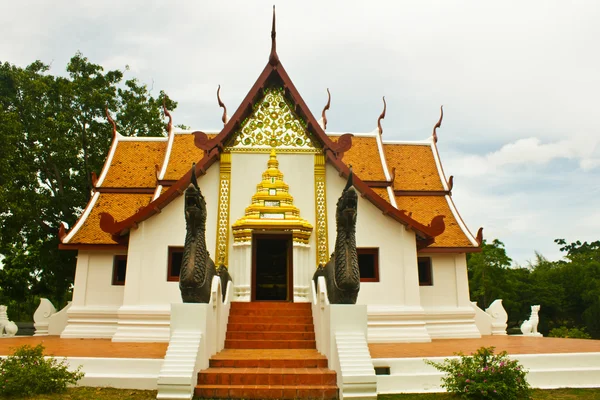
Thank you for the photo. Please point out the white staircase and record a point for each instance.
(174, 377)
(358, 374)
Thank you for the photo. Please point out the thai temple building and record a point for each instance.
(271, 178)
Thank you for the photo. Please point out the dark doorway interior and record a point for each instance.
(272, 268)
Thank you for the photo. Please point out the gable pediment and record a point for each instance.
(273, 124)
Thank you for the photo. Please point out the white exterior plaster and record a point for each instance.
(546, 371)
(147, 262)
(448, 311)
(398, 275)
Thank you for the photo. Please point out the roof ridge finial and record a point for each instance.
(273, 57)
(167, 114)
(221, 104)
(114, 125)
(382, 116)
(325, 109)
(439, 124)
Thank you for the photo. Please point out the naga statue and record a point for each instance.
(197, 268)
(341, 272)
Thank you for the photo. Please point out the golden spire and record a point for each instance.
(272, 207)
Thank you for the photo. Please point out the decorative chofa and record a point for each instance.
(341, 272)
(197, 268)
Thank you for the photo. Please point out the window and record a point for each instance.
(425, 271)
(175, 259)
(119, 270)
(368, 264)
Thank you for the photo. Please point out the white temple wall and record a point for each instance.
(93, 280)
(450, 282)
(147, 262)
(443, 291)
(448, 313)
(96, 301)
(398, 275)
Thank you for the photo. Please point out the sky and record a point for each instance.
(519, 81)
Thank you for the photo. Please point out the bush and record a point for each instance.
(26, 372)
(574, 333)
(484, 375)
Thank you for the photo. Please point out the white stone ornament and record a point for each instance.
(529, 327)
(7, 328)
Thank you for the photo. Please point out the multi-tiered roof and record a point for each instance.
(405, 180)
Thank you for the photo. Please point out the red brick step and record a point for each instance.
(270, 353)
(266, 392)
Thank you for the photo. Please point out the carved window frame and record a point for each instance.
(171, 251)
(115, 272)
(372, 251)
(425, 271)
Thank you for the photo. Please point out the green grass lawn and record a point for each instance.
(86, 393)
(559, 394)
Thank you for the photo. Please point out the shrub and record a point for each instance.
(484, 375)
(26, 372)
(574, 333)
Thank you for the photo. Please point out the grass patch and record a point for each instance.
(537, 394)
(92, 393)
(95, 393)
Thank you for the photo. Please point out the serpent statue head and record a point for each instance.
(195, 205)
(347, 206)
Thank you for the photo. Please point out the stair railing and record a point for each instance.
(197, 333)
(341, 336)
(320, 312)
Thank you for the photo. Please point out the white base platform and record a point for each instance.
(546, 371)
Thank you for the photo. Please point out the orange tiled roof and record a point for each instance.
(382, 192)
(183, 153)
(364, 158)
(424, 208)
(415, 166)
(120, 205)
(134, 164)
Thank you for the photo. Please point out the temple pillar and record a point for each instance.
(240, 270)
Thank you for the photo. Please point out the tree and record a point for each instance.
(55, 134)
(485, 271)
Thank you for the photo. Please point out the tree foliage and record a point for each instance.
(55, 134)
(568, 290)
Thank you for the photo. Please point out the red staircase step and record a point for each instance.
(271, 358)
(269, 319)
(267, 376)
(270, 353)
(266, 392)
(270, 304)
(272, 344)
(269, 327)
(270, 312)
(269, 335)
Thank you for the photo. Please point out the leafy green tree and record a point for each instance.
(485, 272)
(55, 134)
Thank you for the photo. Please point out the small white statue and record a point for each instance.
(7, 328)
(529, 327)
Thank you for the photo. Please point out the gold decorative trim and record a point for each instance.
(223, 210)
(266, 150)
(321, 210)
(273, 124)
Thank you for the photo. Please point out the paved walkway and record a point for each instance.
(56, 346)
(512, 344)
(441, 347)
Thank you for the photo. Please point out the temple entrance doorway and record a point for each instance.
(272, 269)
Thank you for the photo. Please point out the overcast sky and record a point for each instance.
(519, 81)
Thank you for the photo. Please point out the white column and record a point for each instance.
(241, 270)
(302, 272)
(81, 278)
